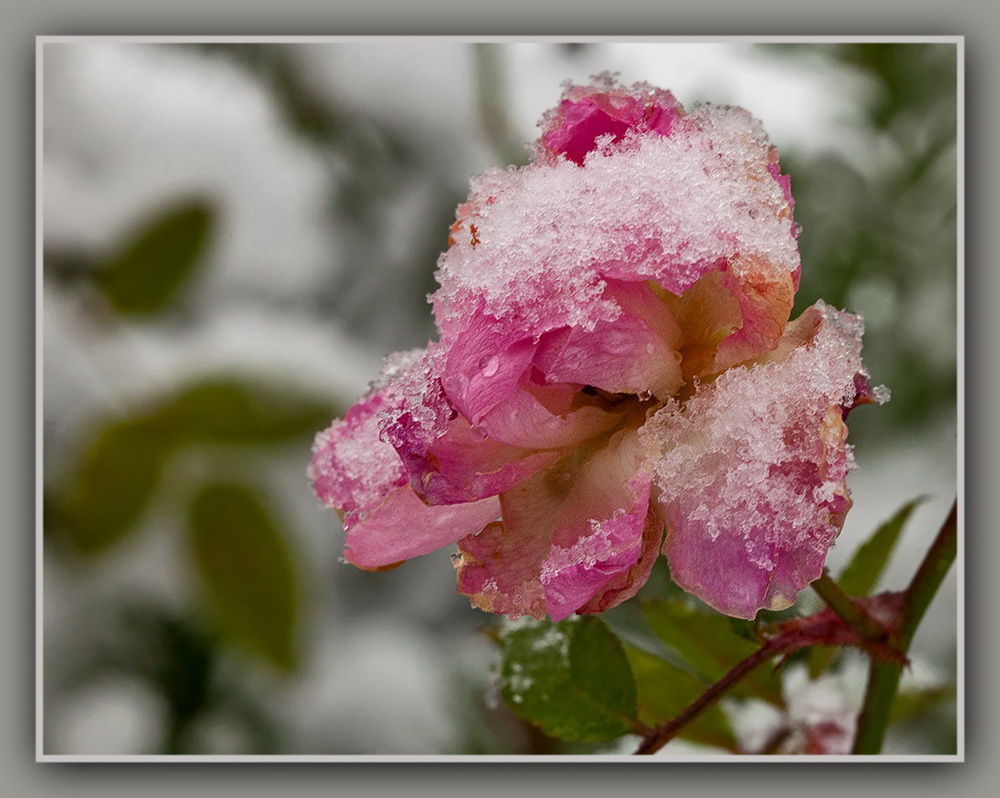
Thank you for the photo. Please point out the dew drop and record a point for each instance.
(489, 365)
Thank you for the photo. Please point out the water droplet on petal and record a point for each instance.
(489, 365)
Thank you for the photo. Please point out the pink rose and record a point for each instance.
(615, 376)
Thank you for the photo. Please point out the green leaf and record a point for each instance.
(112, 484)
(912, 706)
(234, 410)
(664, 691)
(862, 573)
(246, 570)
(151, 268)
(710, 645)
(571, 679)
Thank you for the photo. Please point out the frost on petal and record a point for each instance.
(446, 459)
(569, 534)
(352, 469)
(588, 114)
(361, 477)
(607, 566)
(668, 209)
(751, 471)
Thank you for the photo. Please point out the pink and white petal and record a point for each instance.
(446, 459)
(362, 478)
(568, 533)
(588, 113)
(626, 583)
(750, 472)
(401, 526)
(464, 465)
(664, 208)
(575, 576)
(626, 355)
(499, 573)
(351, 467)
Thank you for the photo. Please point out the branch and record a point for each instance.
(847, 608)
(662, 735)
(883, 677)
(825, 628)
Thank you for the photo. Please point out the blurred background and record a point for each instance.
(236, 234)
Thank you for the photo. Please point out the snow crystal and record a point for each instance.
(352, 468)
(666, 208)
(761, 448)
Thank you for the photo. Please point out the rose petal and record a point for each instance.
(636, 353)
(568, 533)
(402, 526)
(351, 467)
(464, 465)
(361, 477)
(751, 471)
(664, 208)
(573, 576)
(588, 113)
(765, 305)
(484, 366)
(627, 582)
(549, 416)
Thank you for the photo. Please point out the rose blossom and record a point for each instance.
(615, 376)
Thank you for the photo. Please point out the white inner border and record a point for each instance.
(41, 756)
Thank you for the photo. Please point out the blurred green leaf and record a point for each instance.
(246, 570)
(861, 574)
(664, 691)
(571, 679)
(113, 483)
(708, 642)
(242, 411)
(913, 706)
(152, 266)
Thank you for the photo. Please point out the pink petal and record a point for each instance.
(402, 526)
(484, 366)
(751, 471)
(351, 467)
(464, 465)
(573, 576)
(588, 113)
(361, 477)
(489, 378)
(665, 208)
(625, 583)
(549, 417)
(636, 353)
(568, 535)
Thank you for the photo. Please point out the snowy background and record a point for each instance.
(332, 171)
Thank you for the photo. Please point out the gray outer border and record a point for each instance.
(849, 17)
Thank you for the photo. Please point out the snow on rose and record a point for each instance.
(615, 377)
